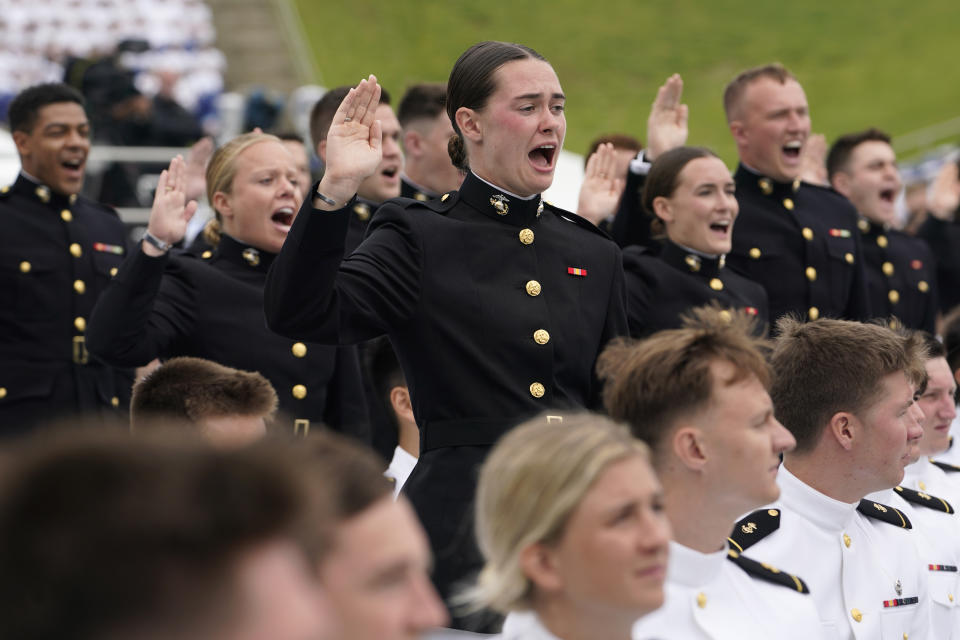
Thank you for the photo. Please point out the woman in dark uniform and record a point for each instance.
(496, 302)
(211, 305)
(691, 192)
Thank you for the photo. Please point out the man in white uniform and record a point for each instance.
(698, 396)
(845, 390)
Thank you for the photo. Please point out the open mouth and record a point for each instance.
(282, 218)
(721, 226)
(542, 156)
(888, 195)
(390, 172)
(73, 165)
(792, 149)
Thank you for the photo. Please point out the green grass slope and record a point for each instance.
(885, 63)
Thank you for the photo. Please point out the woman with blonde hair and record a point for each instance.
(569, 518)
(164, 303)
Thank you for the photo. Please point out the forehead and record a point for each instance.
(895, 391)
(69, 113)
(708, 169)
(871, 151)
(262, 155)
(387, 117)
(938, 370)
(296, 149)
(768, 94)
(627, 478)
(386, 532)
(527, 76)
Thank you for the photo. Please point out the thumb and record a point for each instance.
(189, 210)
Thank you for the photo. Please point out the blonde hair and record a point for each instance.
(531, 483)
(220, 173)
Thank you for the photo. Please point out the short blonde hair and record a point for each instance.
(531, 483)
(221, 171)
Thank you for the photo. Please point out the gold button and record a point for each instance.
(25, 267)
(701, 600)
(773, 512)
(922, 485)
(66, 216)
(540, 336)
(923, 286)
(80, 323)
(533, 288)
(811, 274)
(526, 236)
(79, 286)
(807, 233)
(716, 284)
(299, 349)
(115, 401)
(905, 636)
(846, 541)
(813, 313)
(3, 393)
(882, 242)
(894, 296)
(863, 225)
(848, 257)
(788, 203)
(299, 392)
(755, 253)
(75, 250)
(206, 255)
(113, 271)
(887, 268)
(855, 613)
(537, 390)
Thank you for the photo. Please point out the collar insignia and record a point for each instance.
(43, 193)
(252, 256)
(499, 203)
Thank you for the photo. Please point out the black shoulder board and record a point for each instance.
(440, 205)
(569, 216)
(884, 513)
(764, 571)
(924, 499)
(946, 466)
(754, 528)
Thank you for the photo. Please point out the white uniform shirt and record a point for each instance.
(524, 625)
(952, 455)
(925, 476)
(938, 539)
(864, 575)
(400, 468)
(708, 597)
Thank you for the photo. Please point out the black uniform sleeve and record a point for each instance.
(144, 310)
(615, 326)
(943, 238)
(313, 293)
(637, 292)
(631, 225)
(346, 409)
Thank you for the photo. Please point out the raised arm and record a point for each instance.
(602, 187)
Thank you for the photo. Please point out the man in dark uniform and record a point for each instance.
(428, 172)
(941, 231)
(58, 250)
(385, 182)
(901, 280)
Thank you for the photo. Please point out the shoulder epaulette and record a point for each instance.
(946, 466)
(580, 221)
(924, 499)
(753, 528)
(764, 571)
(439, 205)
(884, 513)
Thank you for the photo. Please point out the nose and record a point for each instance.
(949, 409)
(77, 139)
(391, 147)
(654, 532)
(427, 610)
(551, 120)
(783, 440)
(915, 422)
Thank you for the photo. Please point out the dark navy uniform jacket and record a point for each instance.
(211, 306)
(497, 308)
(800, 242)
(661, 288)
(410, 190)
(57, 254)
(901, 276)
(943, 238)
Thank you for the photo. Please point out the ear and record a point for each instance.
(739, 132)
(469, 123)
(539, 564)
(688, 446)
(412, 142)
(663, 209)
(845, 429)
(221, 203)
(20, 138)
(322, 151)
(841, 182)
(400, 401)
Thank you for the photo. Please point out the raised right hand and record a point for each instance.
(667, 124)
(945, 192)
(170, 212)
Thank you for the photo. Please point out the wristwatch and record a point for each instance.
(151, 239)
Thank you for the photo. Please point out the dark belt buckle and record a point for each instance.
(301, 423)
(80, 353)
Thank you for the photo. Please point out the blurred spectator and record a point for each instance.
(298, 149)
(428, 171)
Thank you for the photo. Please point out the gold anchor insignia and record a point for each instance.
(796, 184)
(252, 256)
(73, 198)
(766, 185)
(540, 208)
(880, 507)
(898, 587)
(723, 261)
(750, 527)
(43, 193)
(499, 203)
(693, 262)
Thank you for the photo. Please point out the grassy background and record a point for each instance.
(885, 63)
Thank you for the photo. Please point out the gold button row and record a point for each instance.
(299, 350)
(299, 391)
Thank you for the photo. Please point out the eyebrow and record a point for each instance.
(534, 96)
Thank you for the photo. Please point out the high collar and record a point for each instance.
(822, 510)
(28, 187)
(690, 261)
(410, 189)
(750, 180)
(498, 205)
(243, 254)
(691, 568)
(525, 625)
(919, 471)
